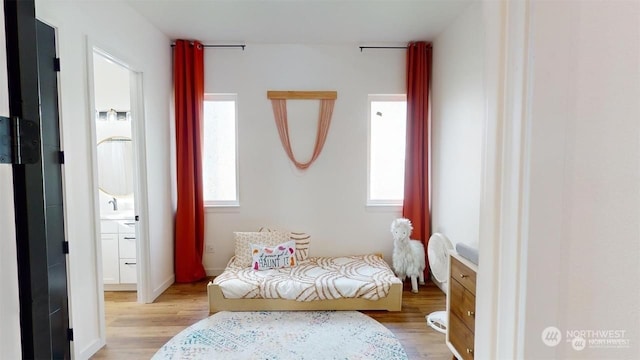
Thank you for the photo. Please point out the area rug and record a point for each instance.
(280, 335)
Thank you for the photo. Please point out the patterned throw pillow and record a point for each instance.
(302, 242)
(279, 256)
(245, 239)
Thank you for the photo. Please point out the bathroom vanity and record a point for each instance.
(116, 200)
(119, 253)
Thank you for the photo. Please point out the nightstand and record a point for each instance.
(461, 307)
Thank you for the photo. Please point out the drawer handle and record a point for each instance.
(128, 263)
(469, 351)
(129, 238)
(470, 313)
(462, 276)
(130, 224)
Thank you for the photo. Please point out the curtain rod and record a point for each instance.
(381, 47)
(221, 46)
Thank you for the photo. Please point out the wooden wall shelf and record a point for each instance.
(302, 95)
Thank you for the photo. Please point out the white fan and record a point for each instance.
(438, 254)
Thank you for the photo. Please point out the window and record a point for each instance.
(387, 138)
(219, 160)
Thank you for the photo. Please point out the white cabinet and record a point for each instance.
(128, 274)
(127, 246)
(110, 265)
(118, 251)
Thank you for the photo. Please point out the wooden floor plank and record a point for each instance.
(137, 331)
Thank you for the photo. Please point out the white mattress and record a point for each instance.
(318, 278)
(468, 252)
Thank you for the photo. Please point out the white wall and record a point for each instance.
(9, 301)
(328, 200)
(111, 85)
(120, 31)
(584, 229)
(457, 125)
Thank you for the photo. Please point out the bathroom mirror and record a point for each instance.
(115, 166)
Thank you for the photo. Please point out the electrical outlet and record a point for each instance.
(209, 248)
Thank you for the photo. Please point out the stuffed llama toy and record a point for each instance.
(408, 255)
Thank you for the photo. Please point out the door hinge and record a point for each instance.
(137, 218)
(56, 64)
(61, 156)
(70, 334)
(19, 141)
(65, 247)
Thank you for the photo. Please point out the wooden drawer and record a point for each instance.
(463, 304)
(465, 276)
(460, 337)
(461, 307)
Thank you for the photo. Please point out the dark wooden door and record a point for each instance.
(38, 197)
(52, 175)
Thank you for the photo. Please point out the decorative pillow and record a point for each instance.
(302, 242)
(279, 256)
(302, 245)
(245, 239)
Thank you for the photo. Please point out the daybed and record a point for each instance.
(362, 282)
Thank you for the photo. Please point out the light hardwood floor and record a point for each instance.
(137, 331)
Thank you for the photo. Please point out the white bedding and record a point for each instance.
(318, 278)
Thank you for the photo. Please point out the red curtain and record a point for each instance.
(188, 77)
(416, 173)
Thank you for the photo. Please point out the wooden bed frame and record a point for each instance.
(217, 302)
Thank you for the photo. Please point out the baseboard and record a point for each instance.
(91, 349)
(214, 271)
(120, 287)
(164, 286)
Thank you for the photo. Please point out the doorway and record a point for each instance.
(119, 170)
(114, 156)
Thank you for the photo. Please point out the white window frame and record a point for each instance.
(392, 204)
(212, 204)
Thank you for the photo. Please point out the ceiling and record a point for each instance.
(364, 22)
